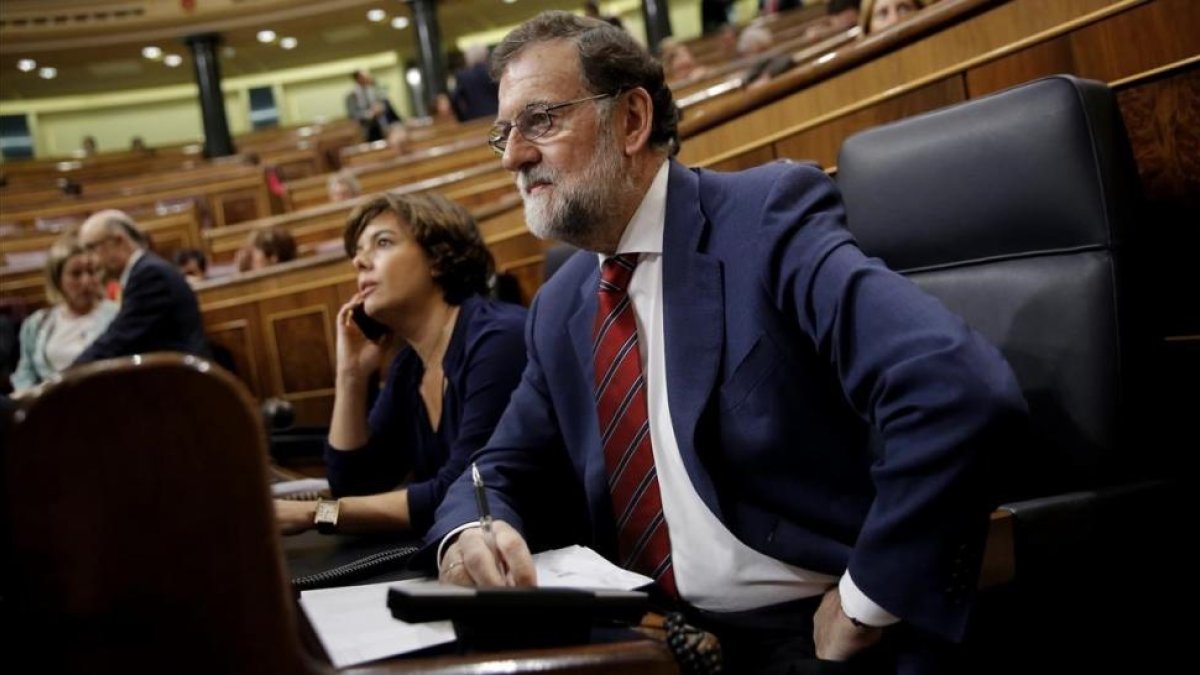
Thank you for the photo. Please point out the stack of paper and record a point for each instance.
(356, 626)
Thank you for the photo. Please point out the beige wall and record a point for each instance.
(325, 97)
(171, 115)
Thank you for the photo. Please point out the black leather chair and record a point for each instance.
(1021, 212)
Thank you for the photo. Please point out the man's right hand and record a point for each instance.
(470, 560)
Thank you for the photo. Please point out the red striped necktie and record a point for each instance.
(643, 543)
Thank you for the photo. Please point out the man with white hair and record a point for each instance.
(159, 312)
(475, 94)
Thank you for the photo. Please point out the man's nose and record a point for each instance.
(518, 152)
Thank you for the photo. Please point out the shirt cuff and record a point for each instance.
(858, 606)
(449, 538)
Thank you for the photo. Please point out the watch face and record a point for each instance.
(327, 512)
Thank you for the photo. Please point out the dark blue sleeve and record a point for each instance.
(382, 464)
(492, 368)
(941, 397)
(145, 302)
(527, 428)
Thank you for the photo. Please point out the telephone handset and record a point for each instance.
(372, 329)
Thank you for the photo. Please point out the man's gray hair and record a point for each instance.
(610, 60)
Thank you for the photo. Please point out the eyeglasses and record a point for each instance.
(535, 121)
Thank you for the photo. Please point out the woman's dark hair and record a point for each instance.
(275, 243)
(609, 58)
(447, 233)
(183, 255)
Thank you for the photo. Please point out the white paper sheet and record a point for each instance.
(306, 488)
(581, 567)
(356, 626)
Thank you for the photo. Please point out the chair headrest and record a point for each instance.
(986, 178)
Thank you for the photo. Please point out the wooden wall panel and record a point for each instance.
(1163, 118)
(992, 30)
(300, 340)
(237, 331)
(242, 206)
(1127, 44)
(1029, 64)
(746, 160)
(821, 143)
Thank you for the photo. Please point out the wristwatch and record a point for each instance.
(326, 517)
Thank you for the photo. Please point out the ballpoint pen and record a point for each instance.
(485, 519)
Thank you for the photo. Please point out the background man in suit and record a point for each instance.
(783, 433)
(158, 312)
(474, 89)
(370, 106)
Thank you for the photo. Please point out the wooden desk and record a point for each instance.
(312, 552)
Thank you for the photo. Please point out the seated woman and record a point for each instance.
(884, 14)
(53, 337)
(678, 62)
(422, 274)
(268, 246)
(343, 186)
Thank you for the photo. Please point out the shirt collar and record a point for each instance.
(644, 233)
(137, 255)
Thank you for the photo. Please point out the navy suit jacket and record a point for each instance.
(159, 313)
(475, 93)
(829, 412)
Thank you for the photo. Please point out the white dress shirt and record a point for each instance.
(714, 570)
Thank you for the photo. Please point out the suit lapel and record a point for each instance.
(693, 320)
(579, 326)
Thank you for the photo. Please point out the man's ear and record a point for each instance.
(636, 122)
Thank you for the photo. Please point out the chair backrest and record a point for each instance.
(138, 534)
(1015, 210)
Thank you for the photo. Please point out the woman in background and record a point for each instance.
(268, 246)
(53, 337)
(422, 278)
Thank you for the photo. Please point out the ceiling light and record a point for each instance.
(48, 73)
(509, 2)
(228, 51)
(265, 36)
(26, 65)
(400, 22)
(376, 15)
(172, 60)
(153, 53)
(288, 42)
(413, 76)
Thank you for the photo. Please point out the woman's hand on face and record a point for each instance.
(357, 356)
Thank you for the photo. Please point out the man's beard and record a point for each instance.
(577, 209)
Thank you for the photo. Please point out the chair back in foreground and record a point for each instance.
(138, 534)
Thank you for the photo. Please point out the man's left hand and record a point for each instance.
(835, 636)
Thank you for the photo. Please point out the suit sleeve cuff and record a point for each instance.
(858, 606)
(450, 537)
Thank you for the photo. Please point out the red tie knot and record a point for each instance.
(616, 272)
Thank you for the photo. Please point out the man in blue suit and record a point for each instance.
(787, 436)
(159, 312)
